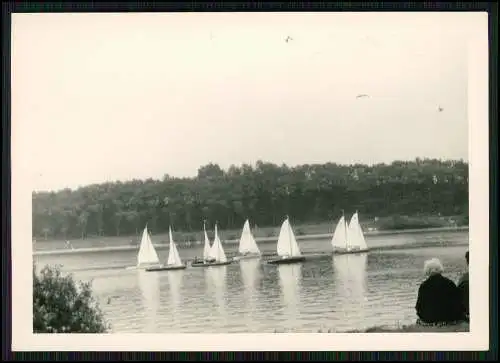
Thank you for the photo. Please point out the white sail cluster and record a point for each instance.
(349, 237)
(216, 252)
(148, 256)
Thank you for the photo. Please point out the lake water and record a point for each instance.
(340, 292)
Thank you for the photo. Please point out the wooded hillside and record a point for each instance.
(264, 193)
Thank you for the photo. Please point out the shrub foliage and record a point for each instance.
(63, 305)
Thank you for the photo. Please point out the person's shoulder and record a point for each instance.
(464, 278)
(446, 281)
(423, 285)
(431, 283)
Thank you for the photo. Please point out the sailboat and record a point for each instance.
(287, 246)
(147, 256)
(174, 261)
(206, 250)
(349, 238)
(216, 255)
(206, 246)
(248, 247)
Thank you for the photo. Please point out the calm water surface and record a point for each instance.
(341, 292)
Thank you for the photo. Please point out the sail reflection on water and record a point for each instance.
(250, 274)
(149, 284)
(174, 292)
(350, 284)
(216, 287)
(290, 276)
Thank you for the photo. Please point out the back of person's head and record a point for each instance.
(433, 267)
(467, 257)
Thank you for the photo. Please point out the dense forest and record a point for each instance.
(264, 193)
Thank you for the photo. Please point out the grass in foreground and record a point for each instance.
(412, 328)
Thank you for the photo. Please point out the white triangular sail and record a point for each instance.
(206, 247)
(339, 239)
(173, 255)
(355, 236)
(147, 252)
(217, 251)
(287, 245)
(247, 241)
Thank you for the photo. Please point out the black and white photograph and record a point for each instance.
(247, 176)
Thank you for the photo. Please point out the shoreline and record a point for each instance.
(463, 327)
(322, 236)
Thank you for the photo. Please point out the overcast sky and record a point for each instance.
(99, 97)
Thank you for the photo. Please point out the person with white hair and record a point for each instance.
(439, 300)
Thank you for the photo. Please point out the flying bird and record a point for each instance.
(440, 109)
(288, 38)
(361, 96)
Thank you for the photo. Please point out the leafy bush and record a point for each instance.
(63, 305)
(404, 222)
(462, 220)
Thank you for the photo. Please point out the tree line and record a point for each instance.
(263, 192)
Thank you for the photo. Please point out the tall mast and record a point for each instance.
(345, 229)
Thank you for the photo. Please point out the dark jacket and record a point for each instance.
(463, 286)
(439, 300)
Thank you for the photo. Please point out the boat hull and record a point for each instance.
(350, 252)
(143, 267)
(246, 257)
(318, 256)
(208, 264)
(287, 260)
(166, 268)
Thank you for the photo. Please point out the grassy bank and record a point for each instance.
(411, 328)
(388, 224)
(414, 328)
